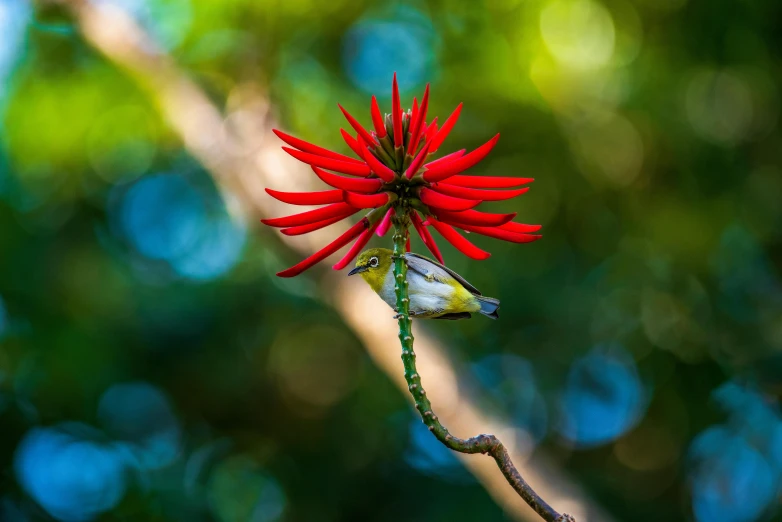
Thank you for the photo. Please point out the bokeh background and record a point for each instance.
(152, 367)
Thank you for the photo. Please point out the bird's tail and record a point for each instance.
(489, 306)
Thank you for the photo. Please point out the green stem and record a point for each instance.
(383, 155)
(387, 143)
(399, 159)
(478, 444)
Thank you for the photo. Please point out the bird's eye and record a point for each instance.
(373, 262)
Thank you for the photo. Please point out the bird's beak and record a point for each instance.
(358, 270)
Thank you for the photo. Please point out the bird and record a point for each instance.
(435, 291)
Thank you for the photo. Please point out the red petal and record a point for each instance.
(313, 149)
(356, 125)
(435, 199)
(360, 243)
(366, 186)
(473, 217)
(416, 163)
(376, 165)
(306, 229)
(307, 198)
(446, 170)
(483, 195)
(377, 119)
(520, 227)
(486, 181)
(505, 235)
(351, 141)
(446, 128)
(414, 111)
(385, 224)
(418, 121)
(329, 249)
(407, 245)
(311, 216)
(459, 241)
(431, 130)
(356, 169)
(396, 114)
(426, 237)
(365, 200)
(446, 159)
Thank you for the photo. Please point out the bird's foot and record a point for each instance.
(394, 257)
(399, 316)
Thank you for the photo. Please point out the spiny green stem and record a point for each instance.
(478, 444)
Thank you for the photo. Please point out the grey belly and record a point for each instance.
(426, 297)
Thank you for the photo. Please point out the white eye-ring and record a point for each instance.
(373, 262)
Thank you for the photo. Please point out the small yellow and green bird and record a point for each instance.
(435, 291)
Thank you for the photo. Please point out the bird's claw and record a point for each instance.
(394, 257)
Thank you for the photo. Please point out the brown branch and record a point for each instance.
(484, 444)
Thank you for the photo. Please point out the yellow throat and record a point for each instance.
(378, 263)
(376, 277)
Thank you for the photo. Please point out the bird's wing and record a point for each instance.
(429, 268)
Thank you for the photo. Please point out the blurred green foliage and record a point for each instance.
(153, 368)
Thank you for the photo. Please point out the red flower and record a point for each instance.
(393, 176)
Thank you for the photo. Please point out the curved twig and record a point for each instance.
(485, 444)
